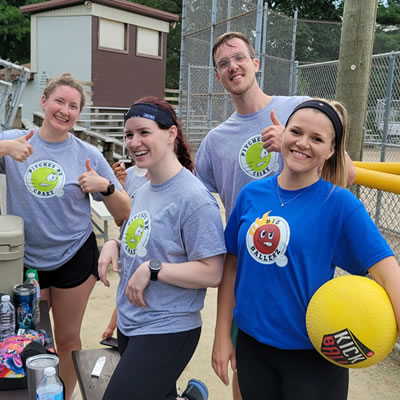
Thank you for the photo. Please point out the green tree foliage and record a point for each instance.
(320, 42)
(387, 35)
(390, 14)
(14, 32)
(329, 10)
(318, 29)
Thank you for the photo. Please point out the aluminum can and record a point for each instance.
(24, 302)
(35, 366)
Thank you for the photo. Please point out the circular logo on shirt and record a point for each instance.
(255, 161)
(267, 240)
(136, 234)
(45, 179)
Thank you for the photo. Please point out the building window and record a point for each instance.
(148, 43)
(113, 35)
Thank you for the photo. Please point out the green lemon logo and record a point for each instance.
(134, 233)
(257, 158)
(44, 179)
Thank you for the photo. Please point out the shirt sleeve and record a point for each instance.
(204, 167)
(203, 239)
(360, 244)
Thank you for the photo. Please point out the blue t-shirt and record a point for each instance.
(286, 253)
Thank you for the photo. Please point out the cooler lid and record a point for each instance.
(11, 230)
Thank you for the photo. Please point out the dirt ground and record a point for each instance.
(380, 382)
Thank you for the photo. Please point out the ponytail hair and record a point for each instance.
(181, 146)
(334, 169)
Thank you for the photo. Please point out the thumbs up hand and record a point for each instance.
(90, 181)
(20, 149)
(88, 166)
(272, 135)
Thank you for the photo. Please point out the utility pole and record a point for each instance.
(356, 46)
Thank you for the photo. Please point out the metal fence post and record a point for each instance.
(210, 64)
(386, 117)
(388, 100)
(187, 130)
(257, 46)
(181, 58)
(229, 15)
(264, 46)
(259, 20)
(293, 52)
(293, 87)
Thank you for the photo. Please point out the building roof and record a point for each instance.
(120, 4)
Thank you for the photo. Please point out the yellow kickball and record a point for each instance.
(350, 321)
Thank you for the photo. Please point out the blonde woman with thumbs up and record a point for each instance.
(53, 172)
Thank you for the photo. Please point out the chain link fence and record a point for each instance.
(204, 103)
(382, 125)
(384, 209)
(279, 41)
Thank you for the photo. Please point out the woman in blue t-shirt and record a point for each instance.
(284, 237)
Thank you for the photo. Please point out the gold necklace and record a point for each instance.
(283, 203)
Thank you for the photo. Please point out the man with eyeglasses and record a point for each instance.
(246, 146)
(243, 148)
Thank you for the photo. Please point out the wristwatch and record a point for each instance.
(154, 266)
(110, 189)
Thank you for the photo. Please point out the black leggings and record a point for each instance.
(150, 365)
(266, 373)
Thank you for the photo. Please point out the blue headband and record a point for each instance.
(150, 111)
(328, 110)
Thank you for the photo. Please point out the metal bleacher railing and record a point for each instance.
(13, 79)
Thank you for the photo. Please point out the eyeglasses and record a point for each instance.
(239, 58)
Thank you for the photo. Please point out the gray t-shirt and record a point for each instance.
(133, 181)
(176, 221)
(232, 154)
(44, 191)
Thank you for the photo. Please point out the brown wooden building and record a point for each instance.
(117, 45)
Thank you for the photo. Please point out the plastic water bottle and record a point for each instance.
(7, 318)
(50, 387)
(31, 277)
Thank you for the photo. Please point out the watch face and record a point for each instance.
(110, 190)
(155, 265)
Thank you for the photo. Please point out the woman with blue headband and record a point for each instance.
(284, 238)
(171, 250)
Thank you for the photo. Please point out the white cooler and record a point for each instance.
(11, 252)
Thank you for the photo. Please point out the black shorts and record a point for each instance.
(76, 270)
